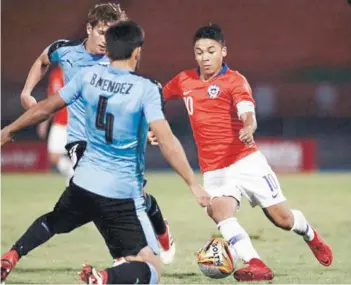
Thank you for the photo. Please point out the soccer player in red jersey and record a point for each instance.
(222, 115)
(57, 138)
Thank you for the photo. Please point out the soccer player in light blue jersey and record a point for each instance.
(72, 57)
(107, 187)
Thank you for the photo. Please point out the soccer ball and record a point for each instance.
(215, 260)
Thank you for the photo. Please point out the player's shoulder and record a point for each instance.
(63, 44)
(187, 73)
(97, 70)
(86, 73)
(146, 80)
(236, 77)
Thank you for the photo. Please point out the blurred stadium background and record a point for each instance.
(295, 54)
(297, 58)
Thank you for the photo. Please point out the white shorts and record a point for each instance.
(251, 176)
(57, 139)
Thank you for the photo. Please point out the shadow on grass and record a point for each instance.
(252, 236)
(37, 270)
(180, 275)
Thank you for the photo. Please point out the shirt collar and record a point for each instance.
(223, 70)
(84, 50)
(116, 70)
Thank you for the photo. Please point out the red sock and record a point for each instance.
(164, 240)
(14, 255)
(104, 276)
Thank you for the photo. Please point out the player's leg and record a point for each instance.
(67, 215)
(129, 235)
(294, 220)
(221, 211)
(140, 269)
(37, 234)
(225, 201)
(57, 154)
(161, 228)
(264, 188)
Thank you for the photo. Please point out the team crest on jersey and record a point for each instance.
(213, 91)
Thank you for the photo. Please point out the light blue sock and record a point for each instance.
(154, 274)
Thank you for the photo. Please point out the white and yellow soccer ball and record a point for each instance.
(216, 260)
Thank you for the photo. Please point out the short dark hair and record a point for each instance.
(105, 13)
(122, 39)
(210, 31)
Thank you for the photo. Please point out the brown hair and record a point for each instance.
(104, 13)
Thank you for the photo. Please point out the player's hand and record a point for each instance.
(246, 135)
(27, 100)
(202, 197)
(151, 138)
(6, 136)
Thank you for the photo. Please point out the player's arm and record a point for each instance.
(170, 91)
(44, 109)
(55, 84)
(36, 73)
(38, 70)
(172, 150)
(174, 153)
(170, 146)
(38, 113)
(249, 128)
(245, 106)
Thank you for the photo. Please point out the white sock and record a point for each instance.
(64, 166)
(238, 238)
(301, 226)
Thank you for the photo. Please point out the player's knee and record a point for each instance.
(215, 215)
(46, 221)
(218, 216)
(284, 220)
(149, 256)
(280, 215)
(209, 211)
(222, 208)
(57, 224)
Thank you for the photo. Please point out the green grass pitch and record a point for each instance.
(325, 199)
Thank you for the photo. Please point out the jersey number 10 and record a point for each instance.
(189, 104)
(101, 123)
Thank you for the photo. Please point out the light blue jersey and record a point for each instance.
(72, 57)
(118, 107)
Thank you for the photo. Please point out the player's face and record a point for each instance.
(96, 37)
(209, 56)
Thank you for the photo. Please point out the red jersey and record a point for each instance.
(212, 109)
(55, 84)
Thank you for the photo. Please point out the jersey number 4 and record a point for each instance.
(101, 123)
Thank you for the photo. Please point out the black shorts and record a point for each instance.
(123, 223)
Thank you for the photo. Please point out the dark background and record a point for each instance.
(295, 54)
